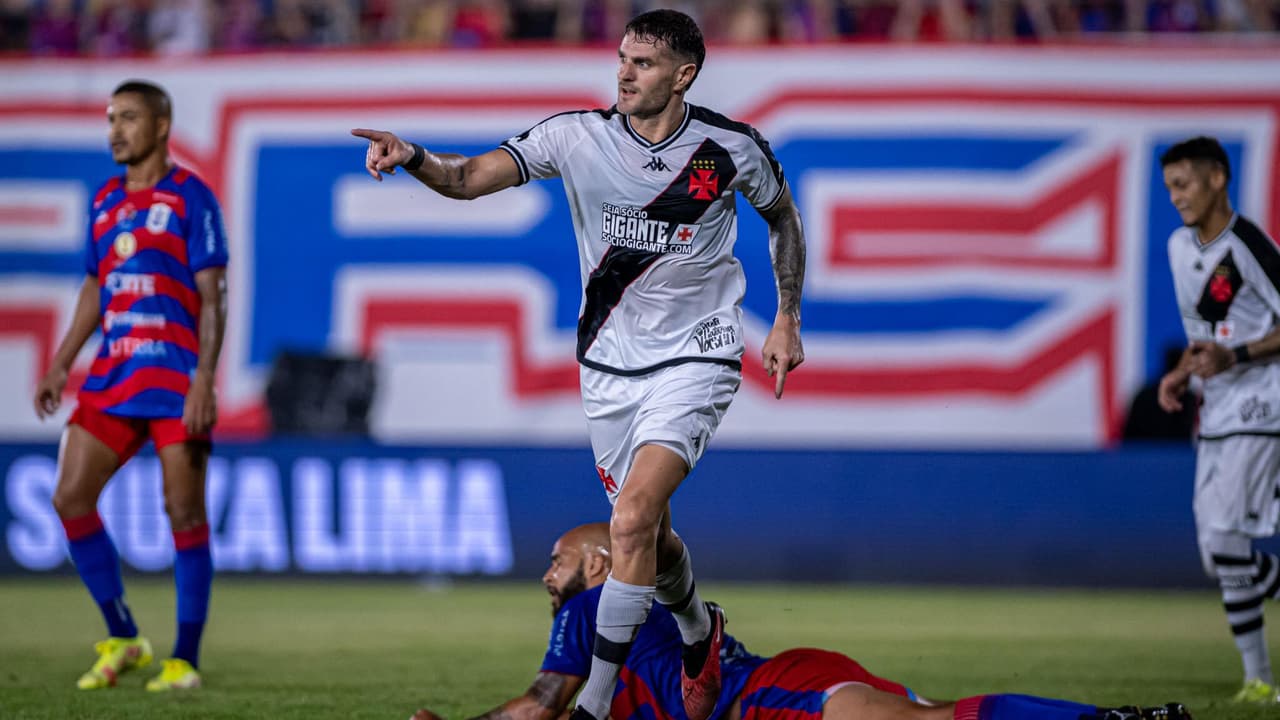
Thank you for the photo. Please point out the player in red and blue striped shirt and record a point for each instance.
(799, 684)
(155, 285)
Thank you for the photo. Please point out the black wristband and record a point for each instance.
(415, 162)
(1242, 353)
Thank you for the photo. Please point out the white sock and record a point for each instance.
(623, 609)
(678, 593)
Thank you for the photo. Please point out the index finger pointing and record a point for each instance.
(782, 380)
(366, 133)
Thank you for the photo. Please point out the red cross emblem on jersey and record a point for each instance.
(1220, 288)
(684, 234)
(610, 486)
(704, 184)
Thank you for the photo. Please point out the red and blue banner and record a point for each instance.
(986, 231)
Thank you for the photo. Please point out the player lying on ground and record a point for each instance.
(802, 683)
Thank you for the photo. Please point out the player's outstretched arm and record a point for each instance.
(450, 174)
(83, 322)
(200, 411)
(546, 699)
(782, 349)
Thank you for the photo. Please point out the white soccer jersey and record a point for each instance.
(656, 225)
(1229, 293)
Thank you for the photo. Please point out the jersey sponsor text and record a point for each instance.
(632, 228)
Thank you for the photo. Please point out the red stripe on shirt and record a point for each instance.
(166, 242)
(107, 188)
(105, 220)
(144, 378)
(969, 708)
(164, 285)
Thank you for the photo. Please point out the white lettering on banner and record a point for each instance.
(315, 548)
(396, 516)
(482, 518)
(373, 515)
(147, 541)
(414, 533)
(355, 492)
(254, 536)
(34, 535)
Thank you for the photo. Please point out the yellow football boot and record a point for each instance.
(1258, 693)
(115, 657)
(176, 675)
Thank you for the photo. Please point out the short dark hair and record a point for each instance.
(1202, 149)
(673, 29)
(153, 95)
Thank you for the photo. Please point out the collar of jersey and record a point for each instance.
(1231, 226)
(124, 183)
(658, 146)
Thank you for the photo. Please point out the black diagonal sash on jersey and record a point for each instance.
(709, 171)
(1220, 290)
(1261, 247)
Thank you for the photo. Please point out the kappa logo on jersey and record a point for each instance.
(656, 165)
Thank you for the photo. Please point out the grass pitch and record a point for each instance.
(314, 649)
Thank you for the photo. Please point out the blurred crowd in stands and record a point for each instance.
(98, 28)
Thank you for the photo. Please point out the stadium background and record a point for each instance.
(986, 292)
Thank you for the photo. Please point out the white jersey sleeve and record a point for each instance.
(760, 178)
(761, 181)
(540, 150)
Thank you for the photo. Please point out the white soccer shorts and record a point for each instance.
(678, 407)
(1236, 485)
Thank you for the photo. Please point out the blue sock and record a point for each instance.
(1021, 707)
(193, 576)
(96, 560)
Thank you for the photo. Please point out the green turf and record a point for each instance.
(311, 649)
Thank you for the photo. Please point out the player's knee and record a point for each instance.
(184, 511)
(68, 503)
(633, 527)
(1215, 545)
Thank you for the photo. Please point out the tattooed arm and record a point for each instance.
(782, 349)
(452, 175)
(546, 699)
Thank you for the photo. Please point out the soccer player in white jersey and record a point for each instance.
(651, 184)
(1226, 276)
